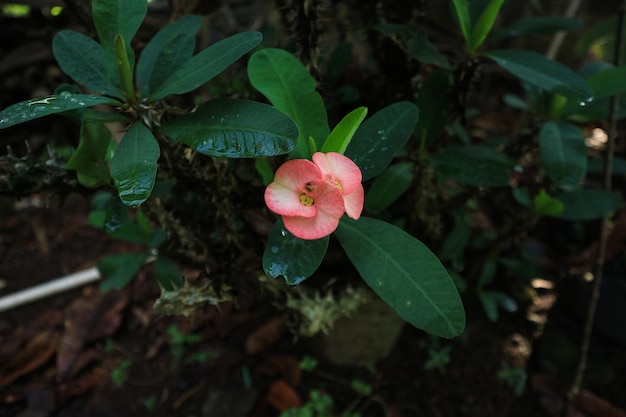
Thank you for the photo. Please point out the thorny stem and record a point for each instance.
(599, 266)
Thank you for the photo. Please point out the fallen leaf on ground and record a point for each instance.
(35, 354)
(265, 336)
(282, 396)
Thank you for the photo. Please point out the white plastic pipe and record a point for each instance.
(47, 289)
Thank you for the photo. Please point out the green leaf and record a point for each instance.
(170, 48)
(611, 81)
(474, 165)
(44, 106)
(287, 84)
(588, 204)
(167, 274)
(405, 274)
(483, 25)
(83, 60)
(342, 134)
(389, 186)
(292, 258)
(538, 25)
(90, 158)
(117, 17)
(134, 165)
(463, 18)
(414, 43)
(455, 243)
(205, 65)
(545, 204)
(542, 72)
(123, 69)
(377, 140)
(118, 270)
(563, 153)
(234, 128)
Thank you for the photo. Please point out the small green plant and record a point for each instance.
(438, 356)
(118, 375)
(320, 404)
(513, 377)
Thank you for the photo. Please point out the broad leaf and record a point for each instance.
(342, 134)
(90, 158)
(433, 100)
(134, 165)
(378, 139)
(389, 186)
(563, 153)
(170, 48)
(84, 61)
(235, 129)
(287, 84)
(474, 165)
(118, 270)
(484, 23)
(588, 204)
(292, 258)
(538, 25)
(611, 81)
(405, 274)
(542, 72)
(117, 17)
(205, 65)
(44, 106)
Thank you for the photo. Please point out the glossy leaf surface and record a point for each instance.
(341, 135)
(405, 274)
(89, 159)
(484, 23)
(287, 84)
(205, 65)
(563, 153)
(234, 129)
(542, 72)
(134, 165)
(290, 257)
(44, 106)
(474, 165)
(380, 136)
(170, 48)
(84, 61)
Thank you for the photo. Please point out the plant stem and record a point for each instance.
(599, 266)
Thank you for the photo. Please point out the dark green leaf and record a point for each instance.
(433, 100)
(44, 106)
(235, 129)
(474, 165)
(463, 19)
(170, 48)
(609, 82)
(117, 17)
(455, 243)
(414, 43)
(118, 270)
(167, 274)
(588, 204)
(378, 139)
(405, 274)
(205, 65)
(540, 71)
(292, 258)
(389, 186)
(287, 84)
(537, 25)
(134, 165)
(83, 60)
(91, 156)
(563, 153)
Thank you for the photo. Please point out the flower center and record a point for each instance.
(306, 200)
(338, 185)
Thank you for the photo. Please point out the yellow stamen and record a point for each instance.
(306, 200)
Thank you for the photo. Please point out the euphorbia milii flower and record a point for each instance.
(346, 176)
(310, 206)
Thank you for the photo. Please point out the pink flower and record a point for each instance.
(346, 176)
(312, 196)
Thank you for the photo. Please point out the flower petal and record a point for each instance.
(313, 227)
(340, 168)
(286, 202)
(330, 201)
(294, 174)
(353, 202)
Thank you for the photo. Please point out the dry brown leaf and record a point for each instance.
(282, 396)
(265, 336)
(35, 354)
